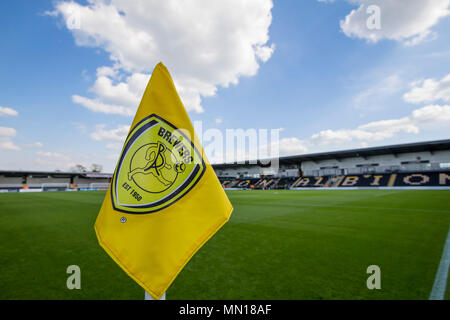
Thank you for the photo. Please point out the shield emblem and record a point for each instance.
(159, 165)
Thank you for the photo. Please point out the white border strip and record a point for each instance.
(440, 282)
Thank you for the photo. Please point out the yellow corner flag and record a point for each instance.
(164, 201)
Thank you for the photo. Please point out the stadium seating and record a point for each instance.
(33, 181)
(373, 180)
(404, 179)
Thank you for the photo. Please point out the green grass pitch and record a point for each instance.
(277, 245)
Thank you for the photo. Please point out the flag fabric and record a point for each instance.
(164, 200)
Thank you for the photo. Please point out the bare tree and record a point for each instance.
(96, 167)
(78, 168)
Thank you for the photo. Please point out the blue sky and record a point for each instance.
(329, 82)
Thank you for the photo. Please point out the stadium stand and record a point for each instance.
(412, 179)
(254, 183)
(55, 186)
(33, 181)
(419, 165)
(425, 164)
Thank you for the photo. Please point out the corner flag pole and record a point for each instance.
(149, 297)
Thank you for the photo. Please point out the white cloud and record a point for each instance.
(429, 90)
(52, 155)
(4, 112)
(438, 54)
(85, 75)
(383, 129)
(218, 120)
(264, 52)
(291, 146)
(409, 23)
(5, 139)
(47, 160)
(205, 44)
(282, 147)
(113, 156)
(380, 130)
(113, 137)
(81, 127)
(97, 106)
(107, 72)
(431, 113)
(8, 145)
(7, 132)
(363, 145)
(114, 145)
(127, 93)
(114, 97)
(49, 164)
(373, 97)
(36, 144)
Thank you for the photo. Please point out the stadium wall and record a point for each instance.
(420, 156)
(379, 163)
(10, 180)
(81, 180)
(40, 181)
(255, 171)
(251, 171)
(404, 179)
(35, 181)
(425, 164)
(422, 179)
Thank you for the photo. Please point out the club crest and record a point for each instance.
(159, 164)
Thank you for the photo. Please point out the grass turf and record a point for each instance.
(277, 245)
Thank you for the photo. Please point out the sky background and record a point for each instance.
(72, 73)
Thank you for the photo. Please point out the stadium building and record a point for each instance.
(35, 181)
(423, 164)
(413, 165)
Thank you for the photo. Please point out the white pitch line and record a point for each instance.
(440, 282)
